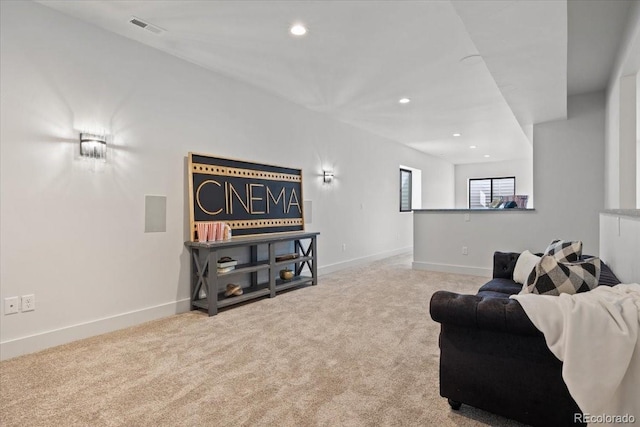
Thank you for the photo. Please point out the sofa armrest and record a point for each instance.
(472, 311)
(503, 264)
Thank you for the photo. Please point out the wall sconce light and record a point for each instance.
(93, 146)
(328, 176)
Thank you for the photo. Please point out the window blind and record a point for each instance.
(405, 190)
(483, 191)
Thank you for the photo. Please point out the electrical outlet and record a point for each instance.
(28, 302)
(467, 218)
(11, 305)
(344, 247)
(465, 250)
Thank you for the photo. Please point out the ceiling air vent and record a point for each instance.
(145, 25)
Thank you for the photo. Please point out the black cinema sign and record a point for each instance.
(252, 198)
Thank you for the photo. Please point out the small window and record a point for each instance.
(483, 192)
(405, 190)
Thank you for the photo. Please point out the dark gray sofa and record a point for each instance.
(492, 357)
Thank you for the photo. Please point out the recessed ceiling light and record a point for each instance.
(404, 100)
(298, 30)
(473, 146)
(486, 155)
(456, 134)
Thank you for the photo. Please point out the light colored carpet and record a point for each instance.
(359, 349)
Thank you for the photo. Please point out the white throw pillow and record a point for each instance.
(524, 266)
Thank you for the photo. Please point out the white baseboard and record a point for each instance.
(331, 268)
(451, 268)
(43, 340)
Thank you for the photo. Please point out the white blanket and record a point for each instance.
(596, 336)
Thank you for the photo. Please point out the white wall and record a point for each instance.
(75, 238)
(620, 245)
(627, 142)
(568, 170)
(612, 148)
(620, 234)
(621, 166)
(522, 169)
(441, 236)
(638, 140)
(568, 186)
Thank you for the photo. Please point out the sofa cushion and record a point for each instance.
(607, 278)
(504, 263)
(551, 277)
(505, 287)
(565, 251)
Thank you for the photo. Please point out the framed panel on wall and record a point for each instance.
(252, 198)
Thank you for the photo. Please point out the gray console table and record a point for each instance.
(205, 255)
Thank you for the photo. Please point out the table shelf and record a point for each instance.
(293, 261)
(281, 285)
(204, 274)
(249, 294)
(246, 268)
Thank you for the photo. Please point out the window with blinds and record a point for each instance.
(405, 190)
(484, 191)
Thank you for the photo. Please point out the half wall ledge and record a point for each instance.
(477, 210)
(622, 212)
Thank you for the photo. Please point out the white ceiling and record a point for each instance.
(595, 31)
(360, 57)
